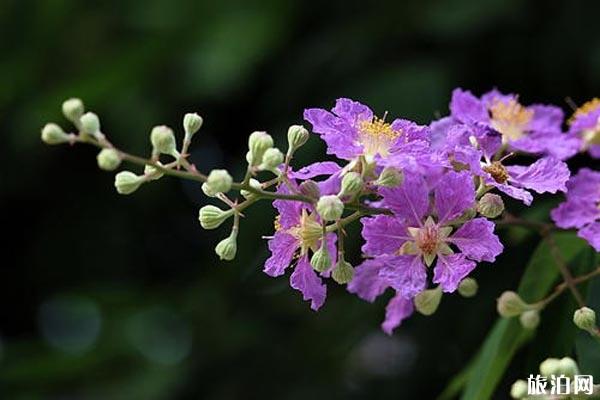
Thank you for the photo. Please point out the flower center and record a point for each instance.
(497, 171)
(510, 118)
(308, 232)
(377, 136)
(428, 241)
(586, 108)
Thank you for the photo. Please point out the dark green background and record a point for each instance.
(112, 297)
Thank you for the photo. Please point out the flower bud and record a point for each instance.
(227, 248)
(219, 181)
(163, 141)
(550, 366)
(321, 260)
(272, 159)
(297, 137)
(126, 182)
(568, 367)
(510, 305)
(208, 190)
(73, 109)
(253, 183)
(468, 287)
(53, 134)
(211, 217)
(310, 189)
(352, 184)
(585, 318)
(258, 143)
(427, 301)
(530, 319)
(330, 208)
(192, 123)
(90, 123)
(490, 205)
(152, 173)
(390, 177)
(518, 390)
(108, 159)
(343, 272)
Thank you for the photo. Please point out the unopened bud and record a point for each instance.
(330, 208)
(585, 318)
(321, 260)
(510, 305)
(390, 177)
(490, 205)
(258, 143)
(352, 184)
(192, 123)
(568, 367)
(73, 109)
(163, 141)
(550, 366)
(211, 217)
(272, 159)
(343, 272)
(254, 184)
(530, 319)
(53, 134)
(468, 287)
(518, 390)
(310, 189)
(219, 181)
(297, 137)
(152, 173)
(90, 123)
(427, 301)
(108, 159)
(227, 248)
(126, 182)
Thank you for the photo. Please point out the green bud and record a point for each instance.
(550, 366)
(163, 141)
(427, 301)
(390, 177)
(272, 158)
(211, 217)
(321, 260)
(510, 305)
(297, 137)
(227, 248)
(330, 208)
(310, 189)
(352, 184)
(468, 287)
(73, 109)
(152, 173)
(219, 181)
(258, 143)
(53, 134)
(530, 319)
(490, 205)
(108, 159)
(568, 367)
(343, 272)
(126, 182)
(208, 190)
(585, 318)
(254, 184)
(518, 390)
(90, 123)
(192, 123)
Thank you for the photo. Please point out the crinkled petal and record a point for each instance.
(338, 133)
(282, 247)
(316, 169)
(591, 233)
(545, 175)
(594, 150)
(454, 195)
(366, 283)
(450, 270)
(410, 131)
(467, 108)
(383, 234)
(289, 211)
(352, 111)
(585, 185)
(546, 118)
(398, 309)
(410, 200)
(558, 145)
(305, 279)
(405, 273)
(514, 192)
(575, 213)
(476, 240)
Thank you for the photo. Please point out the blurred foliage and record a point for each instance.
(105, 297)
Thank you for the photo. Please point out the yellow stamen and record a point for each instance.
(585, 109)
(377, 136)
(510, 118)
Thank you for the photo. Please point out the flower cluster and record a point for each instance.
(425, 195)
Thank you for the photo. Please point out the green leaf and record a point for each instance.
(587, 347)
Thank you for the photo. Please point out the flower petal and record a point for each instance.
(383, 234)
(450, 270)
(591, 233)
(367, 284)
(467, 108)
(410, 200)
(405, 273)
(305, 279)
(545, 175)
(476, 240)
(282, 247)
(575, 213)
(397, 310)
(514, 192)
(316, 169)
(454, 195)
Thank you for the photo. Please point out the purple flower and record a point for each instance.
(585, 126)
(582, 208)
(533, 129)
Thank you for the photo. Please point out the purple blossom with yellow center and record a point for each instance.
(581, 210)
(535, 129)
(585, 126)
